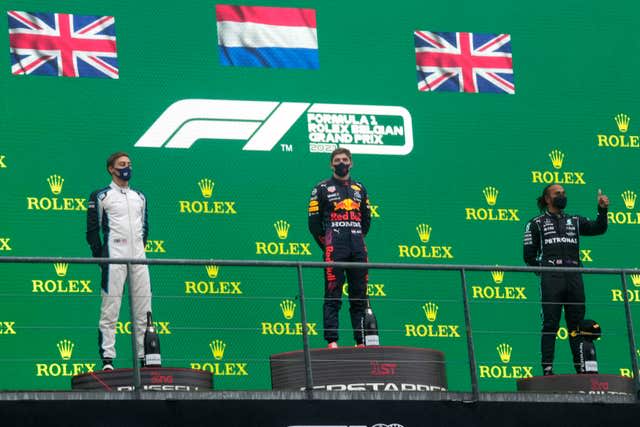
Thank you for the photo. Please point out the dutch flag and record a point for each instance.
(273, 37)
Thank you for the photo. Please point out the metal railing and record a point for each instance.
(299, 266)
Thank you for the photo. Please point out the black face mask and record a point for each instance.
(559, 202)
(341, 169)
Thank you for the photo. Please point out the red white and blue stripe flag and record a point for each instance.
(60, 44)
(464, 62)
(272, 37)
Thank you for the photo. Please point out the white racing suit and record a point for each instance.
(121, 215)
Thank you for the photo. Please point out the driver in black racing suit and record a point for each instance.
(553, 239)
(339, 219)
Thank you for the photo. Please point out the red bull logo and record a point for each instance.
(346, 216)
(346, 205)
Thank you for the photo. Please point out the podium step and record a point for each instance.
(152, 379)
(584, 383)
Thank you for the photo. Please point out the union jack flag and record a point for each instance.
(464, 62)
(60, 44)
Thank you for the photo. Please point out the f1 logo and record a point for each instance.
(261, 123)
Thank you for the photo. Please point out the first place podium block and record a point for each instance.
(152, 379)
(362, 369)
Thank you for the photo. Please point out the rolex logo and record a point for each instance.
(504, 351)
(282, 228)
(557, 157)
(55, 183)
(629, 198)
(217, 349)
(635, 279)
(491, 195)
(288, 308)
(65, 347)
(61, 268)
(212, 271)
(431, 311)
(622, 120)
(206, 187)
(498, 276)
(424, 232)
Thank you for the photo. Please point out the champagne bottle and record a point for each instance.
(370, 327)
(588, 359)
(151, 344)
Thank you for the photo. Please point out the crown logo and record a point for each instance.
(65, 347)
(635, 279)
(282, 228)
(622, 120)
(212, 271)
(55, 183)
(504, 351)
(430, 310)
(629, 198)
(288, 308)
(61, 268)
(557, 157)
(491, 195)
(206, 187)
(424, 232)
(217, 349)
(498, 276)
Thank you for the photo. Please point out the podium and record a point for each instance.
(152, 379)
(362, 369)
(583, 383)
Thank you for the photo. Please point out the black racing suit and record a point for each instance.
(554, 240)
(339, 218)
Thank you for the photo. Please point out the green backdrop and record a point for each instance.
(575, 66)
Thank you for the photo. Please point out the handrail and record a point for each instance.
(299, 265)
(314, 264)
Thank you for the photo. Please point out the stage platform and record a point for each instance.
(288, 409)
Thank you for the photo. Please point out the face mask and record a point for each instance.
(342, 169)
(124, 173)
(559, 202)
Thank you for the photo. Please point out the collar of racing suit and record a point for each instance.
(552, 215)
(337, 181)
(117, 187)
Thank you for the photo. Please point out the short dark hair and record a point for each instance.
(340, 151)
(542, 203)
(112, 158)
